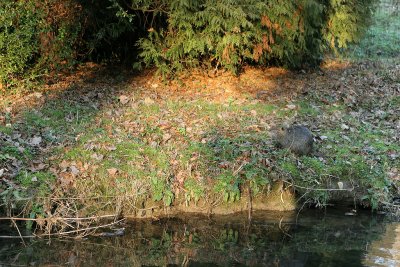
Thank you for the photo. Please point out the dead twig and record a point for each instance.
(59, 218)
(240, 168)
(22, 239)
(318, 189)
(64, 233)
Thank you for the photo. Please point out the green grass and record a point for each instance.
(5, 130)
(148, 166)
(37, 184)
(189, 149)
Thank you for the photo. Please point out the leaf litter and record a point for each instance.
(164, 121)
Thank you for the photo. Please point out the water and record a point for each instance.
(314, 238)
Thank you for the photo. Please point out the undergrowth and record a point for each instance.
(130, 149)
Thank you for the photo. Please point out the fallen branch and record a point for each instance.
(58, 218)
(75, 198)
(83, 229)
(64, 233)
(20, 236)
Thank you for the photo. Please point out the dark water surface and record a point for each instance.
(317, 238)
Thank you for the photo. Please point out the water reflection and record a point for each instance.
(385, 251)
(317, 238)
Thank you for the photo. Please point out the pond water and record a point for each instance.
(313, 238)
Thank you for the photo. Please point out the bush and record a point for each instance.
(231, 33)
(18, 36)
(36, 36)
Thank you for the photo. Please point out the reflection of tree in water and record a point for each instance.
(316, 240)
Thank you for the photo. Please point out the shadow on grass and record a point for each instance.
(106, 144)
(45, 126)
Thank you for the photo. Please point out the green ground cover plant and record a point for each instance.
(102, 141)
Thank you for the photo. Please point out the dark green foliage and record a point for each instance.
(36, 37)
(108, 31)
(18, 37)
(230, 33)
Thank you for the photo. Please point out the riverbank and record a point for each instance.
(106, 141)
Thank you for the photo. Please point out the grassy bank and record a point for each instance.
(105, 141)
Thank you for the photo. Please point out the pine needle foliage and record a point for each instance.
(230, 33)
(175, 35)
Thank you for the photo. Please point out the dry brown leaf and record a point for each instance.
(148, 101)
(64, 165)
(111, 148)
(97, 156)
(66, 180)
(74, 170)
(166, 137)
(112, 171)
(123, 99)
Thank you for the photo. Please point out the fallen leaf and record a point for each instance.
(112, 171)
(166, 137)
(64, 165)
(340, 185)
(291, 106)
(345, 137)
(164, 125)
(38, 95)
(39, 167)
(148, 101)
(180, 178)
(66, 180)
(344, 126)
(35, 141)
(123, 99)
(74, 170)
(111, 148)
(97, 156)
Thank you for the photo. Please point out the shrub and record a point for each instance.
(36, 37)
(231, 33)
